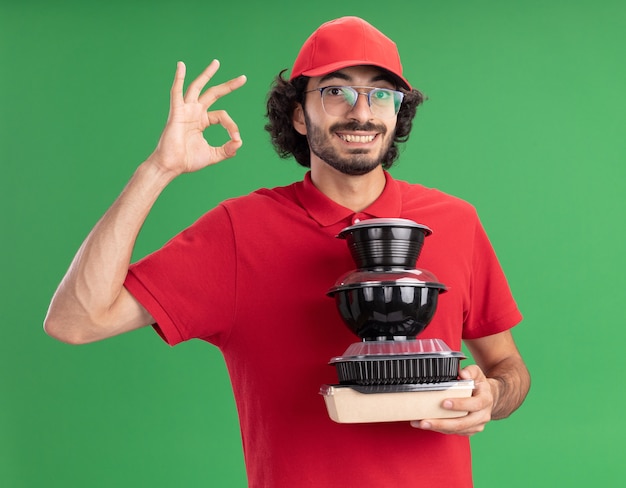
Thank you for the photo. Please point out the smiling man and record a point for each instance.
(251, 275)
(348, 101)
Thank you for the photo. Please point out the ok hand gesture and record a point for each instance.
(182, 147)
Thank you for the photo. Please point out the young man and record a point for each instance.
(251, 275)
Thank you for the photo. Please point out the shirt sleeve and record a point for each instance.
(492, 306)
(189, 285)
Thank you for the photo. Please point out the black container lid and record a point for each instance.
(384, 222)
(362, 278)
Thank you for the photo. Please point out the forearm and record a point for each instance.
(85, 304)
(510, 382)
(91, 302)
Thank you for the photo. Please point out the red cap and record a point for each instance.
(345, 42)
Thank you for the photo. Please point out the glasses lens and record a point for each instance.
(385, 103)
(339, 100)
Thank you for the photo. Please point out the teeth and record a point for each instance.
(354, 138)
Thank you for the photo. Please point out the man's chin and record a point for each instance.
(352, 168)
(357, 162)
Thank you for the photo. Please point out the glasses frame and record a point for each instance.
(368, 94)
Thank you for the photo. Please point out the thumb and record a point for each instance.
(471, 372)
(230, 148)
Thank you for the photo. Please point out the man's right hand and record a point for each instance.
(182, 147)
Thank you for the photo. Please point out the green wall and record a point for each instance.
(526, 119)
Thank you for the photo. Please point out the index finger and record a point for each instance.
(197, 85)
(209, 97)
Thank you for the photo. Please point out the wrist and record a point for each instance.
(497, 386)
(155, 172)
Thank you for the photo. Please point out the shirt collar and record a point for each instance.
(327, 212)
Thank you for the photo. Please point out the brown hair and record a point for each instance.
(282, 100)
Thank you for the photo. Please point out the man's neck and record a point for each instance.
(353, 192)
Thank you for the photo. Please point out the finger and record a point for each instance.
(472, 419)
(197, 85)
(209, 97)
(222, 118)
(447, 426)
(477, 406)
(176, 92)
(468, 425)
(227, 150)
(469, 404)
(230, 148)
(471, 372)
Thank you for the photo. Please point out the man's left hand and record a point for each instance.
(478, 406)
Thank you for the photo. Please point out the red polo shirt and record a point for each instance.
(251, 277)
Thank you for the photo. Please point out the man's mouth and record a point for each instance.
(355, 133)
(363, 139)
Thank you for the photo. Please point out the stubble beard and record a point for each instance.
(360, 161)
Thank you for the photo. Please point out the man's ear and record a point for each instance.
(298, 119)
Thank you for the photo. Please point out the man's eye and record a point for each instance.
(382, 94)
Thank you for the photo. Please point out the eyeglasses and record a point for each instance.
(339, 100)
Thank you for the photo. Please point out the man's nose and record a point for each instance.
(361, 109)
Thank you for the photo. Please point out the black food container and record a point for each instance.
(385, 242)
(377, 304)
